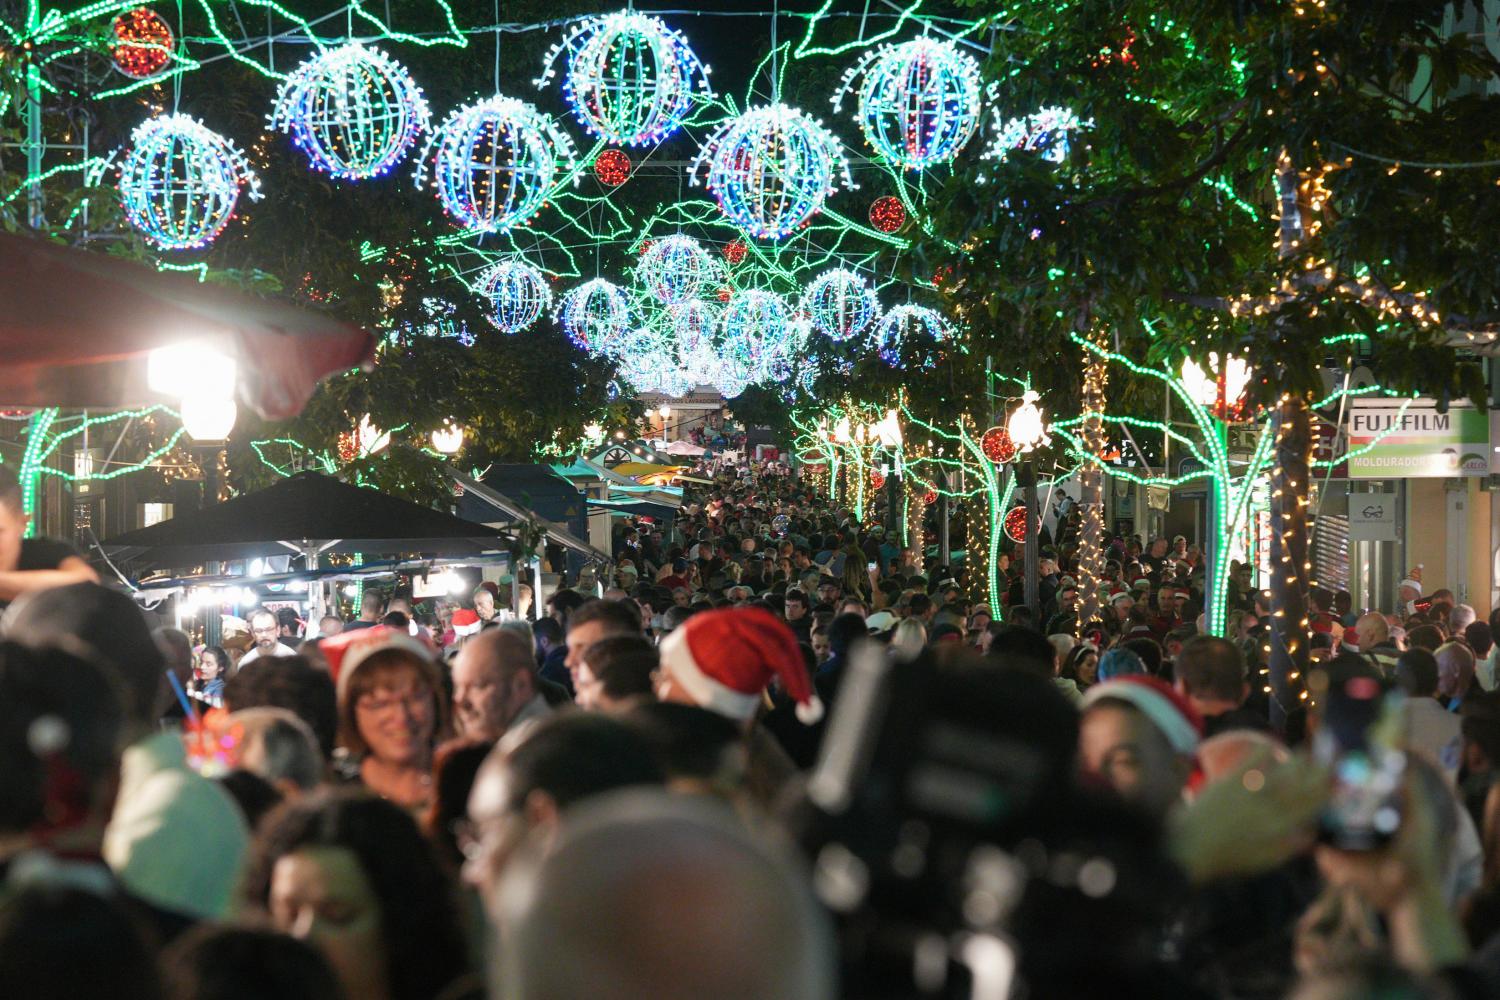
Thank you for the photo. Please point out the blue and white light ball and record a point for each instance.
(1048, 133)
(693, 324)
(180, 182)
(755, 327)
(518, 295)
(354, 111)
(919, 102)
(630, 79)
(840, 304)
(596, 316)
(905, 324)
(496, 162)
(772, 169)
(676, 269)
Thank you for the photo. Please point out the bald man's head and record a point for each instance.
(1371, 630)
(492, 682)
(646, 894)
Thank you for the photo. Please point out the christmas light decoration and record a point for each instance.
(693, 324)
(142, 43)
(904, 323)
(877, 480)
(755, 330)
(997, 446)
(595, 315)
(840, 304)
(771, 169)
(1221, 391)
(735, 250)
(919, 102)
(1095, 441)
(630, 79)
(676, 269)
(354, 111)
(180, 182)
(1015, 524)
(612, 167)
(1047, 133)
(518, 295)
(887, 214)
(1028, 431)
(495, 163)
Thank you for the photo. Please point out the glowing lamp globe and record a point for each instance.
(630, 79)
(905, 323)
(142, 43)
(180, 182)
(676, 269)
(997, 445)
(448, 439)
(518, 295)
(887, 214)
(919, 102)
(612, 167)
(840, 304)
(771, 169)
(1221, 389)
(495, 163)
(595, 315)
(1028, 431)
(354, 111)
(369, 439)
(208, 417)
(1015, 524)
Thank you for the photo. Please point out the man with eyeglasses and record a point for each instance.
(265, 631)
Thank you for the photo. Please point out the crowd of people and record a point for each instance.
(769, 753)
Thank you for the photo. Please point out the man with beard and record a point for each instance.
(494, 689)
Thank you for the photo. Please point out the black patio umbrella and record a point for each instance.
(307, 514)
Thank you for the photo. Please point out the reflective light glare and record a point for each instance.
(208, 418)
(190, 367)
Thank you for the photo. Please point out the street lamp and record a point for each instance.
(1221, 389)
(449, 438)
(208, 418)
(1028, 432)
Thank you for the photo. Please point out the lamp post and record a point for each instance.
(1028, 432)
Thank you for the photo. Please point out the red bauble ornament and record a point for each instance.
(877, 480)
(930, 497)
(735, 252)
(612, 167)
(1015, 524)
(143, 43)
(997, 445)
(887, 214)
(725, 293)
(346, 446)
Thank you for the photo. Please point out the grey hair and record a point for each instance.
(279, 746)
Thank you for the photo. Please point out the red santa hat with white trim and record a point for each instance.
(724, 659)
(466, 622)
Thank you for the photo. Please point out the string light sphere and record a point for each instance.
(180, 182)
(494, 163)
(1015, 524)
(693, 323)
(840, 304)
(595, 316)
(734, 251)
(675, 269)
(612, 167)
(997, 445)
(518, 295)
(771, 169)
(929, 498)
(877, 480)
(919, 102)
(630, 80)
(1048, 133)
(905, 323)
(142, 43)
(755, 327)
(887, 214)
(354, 111)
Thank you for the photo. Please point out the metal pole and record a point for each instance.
(945, 513)
(34, 147)
(1032, 549)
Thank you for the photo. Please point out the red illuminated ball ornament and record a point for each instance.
(930, 497)
(612, 167)
(887, 214)
(997, 445)
(1015, 524)
(725, 293)
(735, 252)
(143, 43)
(877, 480)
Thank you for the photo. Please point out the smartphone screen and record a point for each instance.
(870, 566)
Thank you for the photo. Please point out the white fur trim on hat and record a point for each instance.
(1181, 734)
(677, 662)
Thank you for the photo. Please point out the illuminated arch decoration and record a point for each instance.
(1048, 133)
(518, 295)
(142, 43)
(595, 316)
(771, 169)
(902, 324)
(919, 102)
(676, 269)
(840, 304)
(494, 163)
(354, 111)
(631, 80)
(180, 182)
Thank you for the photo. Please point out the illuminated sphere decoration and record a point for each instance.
(734, 251)
(142, 43)
(612, 167)
(693, 323)
(180, 182)
(676, 269)
(997, 445)
(930, 497)
(877, 480)
(1015, 524)
(631, 80)
(518, 295)
(595, 315)
(771, 169)
(904, 323)
(887, 214)
(354, 111)
(1046, 133)
(755, 328)
(494, 163)
(919, 101)
(840, 304)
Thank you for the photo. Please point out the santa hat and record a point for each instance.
(1414, 579)
(724, 660)
(1171, 713)
(347, 650)
(1120, 595)
(466, 622)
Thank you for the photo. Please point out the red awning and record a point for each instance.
(76, 328)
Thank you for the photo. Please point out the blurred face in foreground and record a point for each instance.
(322, 896)
(1119, 745)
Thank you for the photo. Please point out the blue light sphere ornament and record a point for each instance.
(905, 323)
(495, 163)
(840, 304)
(693, 323)
(676, 269)
(356, 112)
(1047, 133)
(771, 169)
(630, 80)
(755, 327)
(180, 182)
(596, 316)
(919, 103)
(518, 295)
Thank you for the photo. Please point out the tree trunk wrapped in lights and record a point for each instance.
(1091, 487)
(1290, 638)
